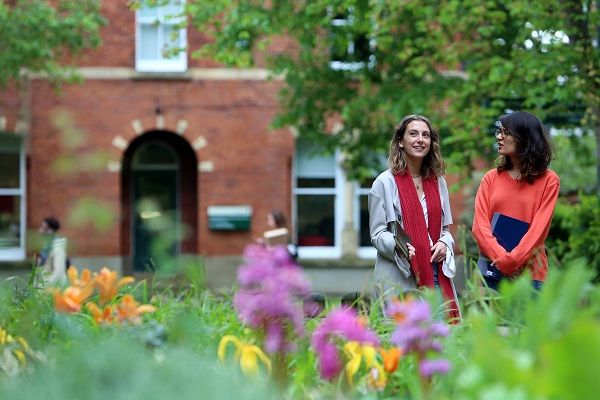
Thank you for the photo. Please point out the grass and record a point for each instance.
(548, 341)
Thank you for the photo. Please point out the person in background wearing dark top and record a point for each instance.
(52, 258)
(521, 187)
(413, 192)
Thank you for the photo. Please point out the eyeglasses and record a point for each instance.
(503, 132)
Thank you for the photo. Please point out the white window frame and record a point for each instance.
(18, 253)
(350, 65)
(362, 251)
(322, 252)
(369, 251)
(175, 64)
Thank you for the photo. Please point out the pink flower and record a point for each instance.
(341, 323)
(270, 282)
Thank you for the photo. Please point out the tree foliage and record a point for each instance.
(39, 35)
(462, 62)
(540, 56)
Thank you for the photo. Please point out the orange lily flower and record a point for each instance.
(76, 280)
(107, 284)
(391, 358)
(101, 316)
(130, 310)
(71, 299)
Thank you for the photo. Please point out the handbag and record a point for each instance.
(401, 253)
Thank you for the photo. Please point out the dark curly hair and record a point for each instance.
(534, 148)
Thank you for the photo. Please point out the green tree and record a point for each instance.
(463, 62)
(38, 36)
(540, 56)
(387, 65)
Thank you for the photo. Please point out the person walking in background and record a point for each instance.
(52, 258)
(521, 190)
(278, 233)
(414, 193)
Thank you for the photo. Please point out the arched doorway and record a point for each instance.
(159, 199)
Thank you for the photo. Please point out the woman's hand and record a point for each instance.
(411, 251)
(438, 252)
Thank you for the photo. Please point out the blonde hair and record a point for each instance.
(433, 164)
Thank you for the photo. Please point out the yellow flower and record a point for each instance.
(5, 337)
(107, 284)
(23, 343)
(101, 316)
(248, 354)
(377, 378)
(20, 356)
(130, 310)
(71, 299)
(18, 345)
(356, 352)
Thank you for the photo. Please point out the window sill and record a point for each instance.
(12, 255)
(171, 76)
(338, 263)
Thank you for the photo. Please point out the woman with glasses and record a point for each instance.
(411, 197)
(515, 202)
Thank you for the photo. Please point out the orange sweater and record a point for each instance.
(532, 203)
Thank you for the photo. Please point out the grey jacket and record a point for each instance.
(384, 207)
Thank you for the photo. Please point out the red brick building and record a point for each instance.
(182, 136)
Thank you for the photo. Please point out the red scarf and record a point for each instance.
(413, 222)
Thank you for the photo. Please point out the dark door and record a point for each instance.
(155, 180)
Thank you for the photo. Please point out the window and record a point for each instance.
(160, 38)
(349, 49)
(12, 198)
(320, 206)
(365, 248)
(361, 209)
(317, 202)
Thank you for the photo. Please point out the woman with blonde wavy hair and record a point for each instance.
(412, 196)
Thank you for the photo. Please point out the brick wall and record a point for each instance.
(251, 162)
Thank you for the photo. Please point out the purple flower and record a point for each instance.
(341, 323)
(270, 282)
(409, 311)
(417, 332)
(409, 337)
(428, 368)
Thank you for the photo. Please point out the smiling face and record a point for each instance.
(416, 141)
